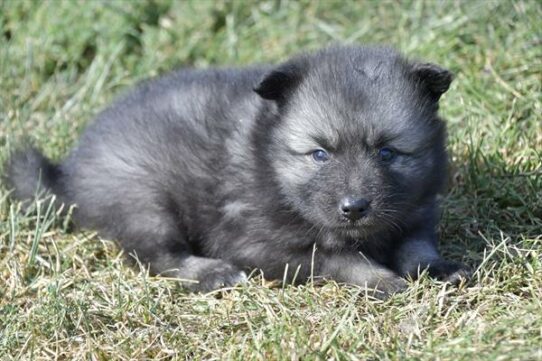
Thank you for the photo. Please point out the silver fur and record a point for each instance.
(205, 174)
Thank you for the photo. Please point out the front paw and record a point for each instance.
(220, 276)
(449, 271)
(388, 286)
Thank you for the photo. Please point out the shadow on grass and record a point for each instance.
(492, 199)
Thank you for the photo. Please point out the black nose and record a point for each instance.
(354, 208)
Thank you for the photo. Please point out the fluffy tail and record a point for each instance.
(29, 174)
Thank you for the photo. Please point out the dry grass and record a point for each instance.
(69, 295)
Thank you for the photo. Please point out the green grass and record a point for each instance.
(69, 295)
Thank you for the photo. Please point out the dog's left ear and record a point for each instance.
(279, 82)
(437, 80)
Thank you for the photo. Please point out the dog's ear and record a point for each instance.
(279, 82)
(437, 80)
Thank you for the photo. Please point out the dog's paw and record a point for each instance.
(219, 276)
(388, 286)
(449, 271)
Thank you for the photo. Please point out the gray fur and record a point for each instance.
(203, 178)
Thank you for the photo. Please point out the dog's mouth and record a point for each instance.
(361, 223)
(358, 228)
(352, 229)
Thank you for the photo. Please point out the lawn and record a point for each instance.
(68, 294)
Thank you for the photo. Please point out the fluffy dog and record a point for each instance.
(329, 163)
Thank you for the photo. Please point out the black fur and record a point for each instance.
(202, 177)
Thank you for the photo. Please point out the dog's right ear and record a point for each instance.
(280, 82)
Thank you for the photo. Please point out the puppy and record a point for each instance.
(329, 163)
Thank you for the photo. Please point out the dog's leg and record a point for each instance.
(152, 236)
(356, 269)
(419, 252)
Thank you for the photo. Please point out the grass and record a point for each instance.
(69, 295)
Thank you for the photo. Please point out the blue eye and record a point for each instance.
(386, 154)
(320, 156)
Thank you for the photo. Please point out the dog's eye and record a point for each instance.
(320, 156)
(386, 154)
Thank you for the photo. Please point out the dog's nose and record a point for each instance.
(354, 208)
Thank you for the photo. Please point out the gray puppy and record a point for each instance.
(329, 164)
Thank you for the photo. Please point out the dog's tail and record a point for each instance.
(29, 174)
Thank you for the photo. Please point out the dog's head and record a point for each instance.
(357, 145)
